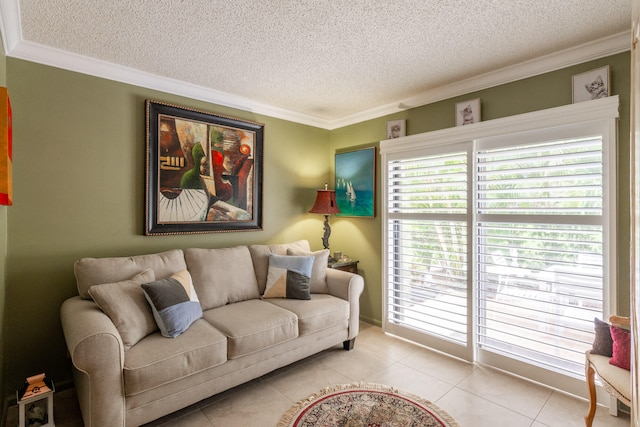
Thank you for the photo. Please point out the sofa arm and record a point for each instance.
(349, 287)
(97, 354)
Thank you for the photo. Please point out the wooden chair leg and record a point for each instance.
(593, 401)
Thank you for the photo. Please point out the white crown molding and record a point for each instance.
(82, 64)
(607, 46)
(10, 24)
(15, 47)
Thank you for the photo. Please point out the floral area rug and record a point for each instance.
(365, 405)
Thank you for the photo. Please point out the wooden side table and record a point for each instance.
(350, 266)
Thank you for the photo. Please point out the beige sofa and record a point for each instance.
(127, 374)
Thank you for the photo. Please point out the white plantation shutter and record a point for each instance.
(540, 251)
(428, 232)
(499, 239)
(558, 178)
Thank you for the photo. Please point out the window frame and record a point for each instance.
(599, 116)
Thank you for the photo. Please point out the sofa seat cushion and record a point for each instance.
(320, 312)
(252, 325)
(157, 360)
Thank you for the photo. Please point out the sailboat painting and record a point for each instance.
(356, 182)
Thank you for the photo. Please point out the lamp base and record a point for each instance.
(327, 232)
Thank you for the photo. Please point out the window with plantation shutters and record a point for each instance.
(427, 228)
(499, 239)
(539, 240)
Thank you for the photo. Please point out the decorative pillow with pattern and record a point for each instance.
(289, 277)
(318, 281)
(621, 348)
(174, 303)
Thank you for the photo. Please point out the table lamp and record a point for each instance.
(326, 205)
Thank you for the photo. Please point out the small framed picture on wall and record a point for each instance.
(468, 112)
(396, 129)
(592, 84)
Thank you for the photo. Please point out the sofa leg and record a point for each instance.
(349, 344)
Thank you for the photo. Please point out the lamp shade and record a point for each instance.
(325, 203)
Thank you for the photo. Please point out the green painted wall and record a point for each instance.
(361, 238)
(79, 190)
(79, 156)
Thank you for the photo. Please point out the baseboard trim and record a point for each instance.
(371, 321)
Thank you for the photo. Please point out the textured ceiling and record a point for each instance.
(324, 59)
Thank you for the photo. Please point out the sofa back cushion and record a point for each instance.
(96, 271)
(260, 256)
(222, 276)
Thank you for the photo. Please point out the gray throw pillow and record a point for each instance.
(289, 277)
(174, 303)
(603, 342)
(318, 281)
(126, 306)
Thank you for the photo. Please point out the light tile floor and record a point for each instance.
(475, 396)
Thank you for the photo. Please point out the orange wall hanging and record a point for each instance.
(6, 150)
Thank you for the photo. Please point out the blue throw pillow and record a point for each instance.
(289, 277)
(174, 303)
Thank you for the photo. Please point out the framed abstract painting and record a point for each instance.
(356, 182)
(203, 171)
